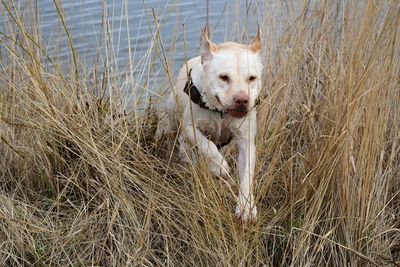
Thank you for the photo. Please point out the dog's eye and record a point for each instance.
(224, 78)
(252, 78)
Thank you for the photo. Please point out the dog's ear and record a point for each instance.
(256, 44)
(206, 46)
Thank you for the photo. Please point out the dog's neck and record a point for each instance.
(194, 88)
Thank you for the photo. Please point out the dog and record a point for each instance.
(214, 99)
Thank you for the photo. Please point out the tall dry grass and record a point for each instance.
(85, 182)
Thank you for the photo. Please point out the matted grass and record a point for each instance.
(84, 182)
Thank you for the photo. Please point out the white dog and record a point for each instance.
(214, 97)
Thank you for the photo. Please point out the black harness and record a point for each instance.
(221, 145)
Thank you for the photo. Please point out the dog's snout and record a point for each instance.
(241, 99)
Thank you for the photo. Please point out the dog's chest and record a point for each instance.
(217, 130)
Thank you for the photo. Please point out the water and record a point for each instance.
(130, 27)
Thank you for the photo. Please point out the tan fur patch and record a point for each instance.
(232, 46)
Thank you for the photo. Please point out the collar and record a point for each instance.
(196, 96)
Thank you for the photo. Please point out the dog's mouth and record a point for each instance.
(236, 113)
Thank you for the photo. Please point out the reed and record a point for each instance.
(86, 181)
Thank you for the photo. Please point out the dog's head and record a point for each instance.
(231, 74)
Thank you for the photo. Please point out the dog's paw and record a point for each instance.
(219, 168)
(246, 212)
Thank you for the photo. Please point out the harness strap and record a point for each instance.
(219, 146)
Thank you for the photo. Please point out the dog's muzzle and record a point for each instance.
(240, 106)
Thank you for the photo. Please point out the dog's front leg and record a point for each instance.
(245, 209)
(216, 162)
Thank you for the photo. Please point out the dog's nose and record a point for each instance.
(241, 99)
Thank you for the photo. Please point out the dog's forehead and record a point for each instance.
(249, 63)
(235, 60)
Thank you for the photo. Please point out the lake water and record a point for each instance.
(130, 27)
(132, 24)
